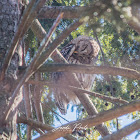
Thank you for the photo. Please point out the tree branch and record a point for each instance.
(124, 131)
(103, 97)
(26, 21)
(37, 99)
(73, 12)
(81, 91)
(33, 123)
(88, 69)
(16, 39)
(92, 121)
(70, 12)
(27, 104)
(36, 9)
(40, 125)
(29, 70)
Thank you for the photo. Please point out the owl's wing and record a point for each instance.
(68, 50)
(62, 96)
(61, 100)
(86, 80)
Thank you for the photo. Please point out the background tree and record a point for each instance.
(28, 54)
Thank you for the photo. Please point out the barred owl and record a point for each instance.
(81, 50)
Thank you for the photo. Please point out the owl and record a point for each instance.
(81, 50)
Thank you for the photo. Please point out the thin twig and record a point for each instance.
(113, 100)
(45, 41)
(55, 112)
(103, 97)
(100, 47)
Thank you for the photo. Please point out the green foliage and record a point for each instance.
(22, 131)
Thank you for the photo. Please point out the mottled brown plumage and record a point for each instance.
(81, 50)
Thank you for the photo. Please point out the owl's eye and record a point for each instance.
(75, 52)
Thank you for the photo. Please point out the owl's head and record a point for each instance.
(84, 50)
